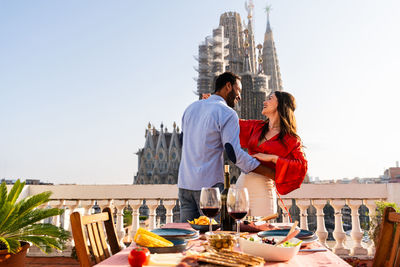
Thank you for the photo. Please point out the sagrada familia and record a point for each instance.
(230, 48)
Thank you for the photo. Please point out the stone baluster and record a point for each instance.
(152, 204)
(104, 203)
(58, 204)
(356, 232)
(321, 232)
(71, 205)
(338, 233)
(303, 205)
(120, 205)
(169, 206)
(87, 206)
(135, 205)
(371, 205)
(285, 214)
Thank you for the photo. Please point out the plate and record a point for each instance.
(308, 240)
(179, 246)
(187, 239)
(175, 233)
(283, 232)
(204, 228)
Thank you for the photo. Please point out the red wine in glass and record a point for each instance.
(210, 202)
(238, 204)
(238, 215)
(210, 212)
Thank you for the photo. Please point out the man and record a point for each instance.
(209, 126)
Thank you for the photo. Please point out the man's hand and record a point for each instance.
(266, 171)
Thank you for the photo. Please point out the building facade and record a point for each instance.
(158, 160)
(231, 47)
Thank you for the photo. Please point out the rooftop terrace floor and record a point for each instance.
(50, 262)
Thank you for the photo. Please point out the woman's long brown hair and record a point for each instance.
(286, 107)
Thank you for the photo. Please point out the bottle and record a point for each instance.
(227, 222)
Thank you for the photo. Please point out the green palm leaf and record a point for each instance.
(3, 193)
(46, 244)
(15, 191)
(4, 241)
(45, 229)
(20, 221)
(32, 217)
(32, 202)
(5, 212)
(12, 244)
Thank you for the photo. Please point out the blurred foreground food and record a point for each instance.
(148, 239)
(203, 220)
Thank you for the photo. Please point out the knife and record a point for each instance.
(313, 250)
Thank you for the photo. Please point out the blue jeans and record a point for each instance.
(190, 203)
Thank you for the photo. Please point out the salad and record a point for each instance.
(271, 241)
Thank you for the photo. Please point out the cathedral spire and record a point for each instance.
(270, 58)
(161, 142)
(246, 64)
(268, 10)
(249, 6)
(149, 138)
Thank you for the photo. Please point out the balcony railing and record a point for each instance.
(83, 198)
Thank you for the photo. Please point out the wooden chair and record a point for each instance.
(387, 250)
(89, 230)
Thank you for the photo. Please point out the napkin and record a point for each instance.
(166, 259)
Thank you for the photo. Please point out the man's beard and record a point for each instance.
(230, 99)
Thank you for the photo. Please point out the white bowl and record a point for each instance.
(270, 252)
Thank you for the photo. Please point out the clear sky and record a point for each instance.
(80, 81)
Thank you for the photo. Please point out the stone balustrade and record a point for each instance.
(82, 198)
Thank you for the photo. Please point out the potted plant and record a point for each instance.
(143, 221)
(20, 225)
(375, 225)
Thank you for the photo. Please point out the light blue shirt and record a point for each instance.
(207, 125)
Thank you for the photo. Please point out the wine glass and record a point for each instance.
(210, 202)
(237, 203)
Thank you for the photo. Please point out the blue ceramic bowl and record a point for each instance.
(204, 228)
(172, 234)
(179, 246)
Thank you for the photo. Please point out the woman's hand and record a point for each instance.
(266, 157)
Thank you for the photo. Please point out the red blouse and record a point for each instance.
(291, 166)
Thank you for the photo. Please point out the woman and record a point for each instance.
(274, 143)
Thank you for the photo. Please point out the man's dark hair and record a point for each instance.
(226, 77)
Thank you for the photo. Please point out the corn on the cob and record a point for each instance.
(149, 239)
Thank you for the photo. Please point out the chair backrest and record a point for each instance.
(387, 250)
(89, 230)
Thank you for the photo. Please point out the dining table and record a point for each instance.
(318, 256)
